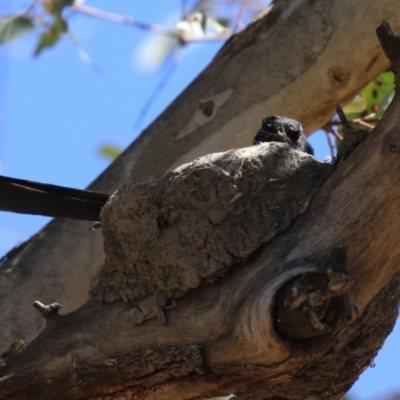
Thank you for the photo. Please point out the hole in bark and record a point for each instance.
(207, 106)
(306, 308)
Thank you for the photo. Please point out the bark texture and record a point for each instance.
(221, 338)
(301, 59)
(165, 237)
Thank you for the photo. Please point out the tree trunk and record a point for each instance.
(300, 59)
(300, 318)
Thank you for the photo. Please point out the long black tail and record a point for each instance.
(26, 197)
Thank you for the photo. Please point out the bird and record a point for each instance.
(163, 238)
(285, 130)
(27, 197)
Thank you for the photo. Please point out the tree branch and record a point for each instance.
(276, 66)
(222, 338)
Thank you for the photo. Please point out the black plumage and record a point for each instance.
(27, 197)
(284, 130)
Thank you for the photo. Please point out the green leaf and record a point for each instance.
(60, 25)
(53, 35)
(110, 151)
(58, 5)
(224, 22)
(377, 92)
(12, 27)
(47, 39)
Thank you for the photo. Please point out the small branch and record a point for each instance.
(390, 44)
(343, 118)
(120, 19)
(336, 134)
(328, 128)
(371, 117)
(27, 10)
(239, 16)
(364, 122)
(48, 311)
(358, 121)
(361, 122)
(207, 38)
(150, 101)
(184, 9)
(330, 143)
(15, 346)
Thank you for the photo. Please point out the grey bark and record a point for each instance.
(225, 337)
(166, 237)
(301, 59)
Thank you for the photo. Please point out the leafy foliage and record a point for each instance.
(378, 93)
(200, 20)
(373, 100)
(57, 28)
(110, 151)
(12, 27)
(367, 108)
(57, 6)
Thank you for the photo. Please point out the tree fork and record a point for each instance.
(221, 337)
(275, 66)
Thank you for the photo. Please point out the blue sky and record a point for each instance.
(56, 111)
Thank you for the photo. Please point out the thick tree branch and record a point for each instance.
(300, 59)
(221, 338)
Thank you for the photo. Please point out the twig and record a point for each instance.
(27, 10)
(336, 134)
(82, 54)
(159, 87)
(338, 123)
(361, 122)
(49, 311)
(330, 143)
(184, 9)
(328, 127)
(207, 38)
(14, 348)
(239, 16)
(120, 19)
(342, 117)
